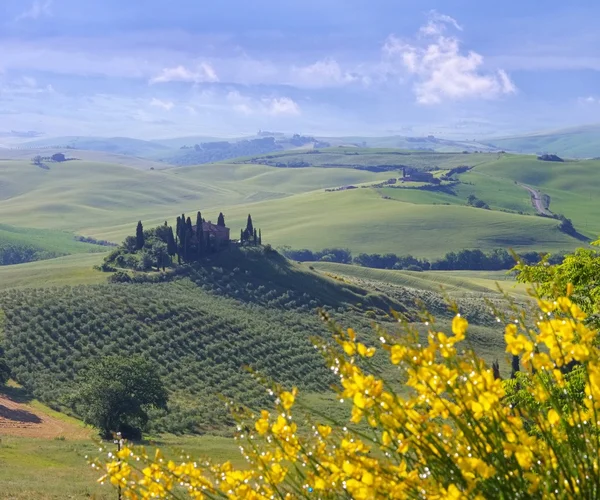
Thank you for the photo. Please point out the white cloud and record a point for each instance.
(437, 24)
(274, 106)
(158, 103)
(324, 73)
(39, 8)
(589, 100)
(441, 71)
(204, 73)
(282, 106)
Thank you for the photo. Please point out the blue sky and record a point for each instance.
(154, 68)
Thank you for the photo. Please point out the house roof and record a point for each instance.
(209, 227)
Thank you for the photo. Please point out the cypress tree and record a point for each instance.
(171, 245)
(249, 226)
(515, 366)
(259, 237)
(178, 240)
(221, 220)
(189, 232)
(241, 236)
(199, 234)
(255, 237)
(496, 370)
(139, 236)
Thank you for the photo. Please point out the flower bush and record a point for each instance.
(447, 427)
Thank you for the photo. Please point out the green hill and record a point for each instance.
(202, 325)
(117, 145)
(19, 245)
(291, 205)
(576, 142)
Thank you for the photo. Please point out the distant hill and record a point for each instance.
(117, 145)
(427, 143)
(577, 142)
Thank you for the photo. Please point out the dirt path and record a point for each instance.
(21, 419)
(536, 200)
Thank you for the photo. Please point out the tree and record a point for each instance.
(37, 160)
(58, 157)
(221, 220)
(199, 234)
(189, 233)
(249, 226)
(159, 253)
(259, 237)
(242, 236)
(116, 393)
(171, 245)
(139, 236)
(255, 237)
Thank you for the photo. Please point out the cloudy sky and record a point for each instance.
(156, 68)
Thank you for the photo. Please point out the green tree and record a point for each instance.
(199, 234)
(171, 245)
(255, 237)
(159, 253)
(250, 226)
(259, 237)
(221, 220)
(580, 270)
(117, 392)
(139, 236)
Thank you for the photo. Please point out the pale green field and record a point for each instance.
(290, 205)
(70, 270)
(457, 283)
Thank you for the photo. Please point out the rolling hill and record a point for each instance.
(576, 142)
(116, 145)
(290, 204)
(203, 325)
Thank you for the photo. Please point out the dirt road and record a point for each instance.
(536, 200)
(21, 419)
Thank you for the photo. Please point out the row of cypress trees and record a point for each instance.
(188, 245)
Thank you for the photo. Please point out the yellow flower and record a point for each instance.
(553, 417)
(287, 400)
(459, 326)
(397, 353)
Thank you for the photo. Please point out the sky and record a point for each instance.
(156, 69)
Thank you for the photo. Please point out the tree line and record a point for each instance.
(467, 260)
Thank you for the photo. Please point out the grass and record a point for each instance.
(105, 201)
(364, 222)
(577, 142)
(69, 270)
(48, 469)
(455, 283)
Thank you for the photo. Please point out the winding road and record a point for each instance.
(536, 200)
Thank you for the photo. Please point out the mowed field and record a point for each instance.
(292, 208)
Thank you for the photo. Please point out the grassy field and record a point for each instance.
(364, 222)
(51, 469)
(455, 283)
(105, 201)
(577, 142)
(70, 270)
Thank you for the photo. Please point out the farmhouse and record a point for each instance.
(414, 176)
(219, 233)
